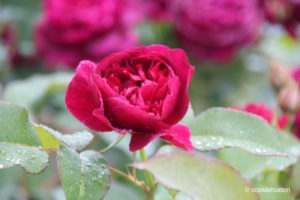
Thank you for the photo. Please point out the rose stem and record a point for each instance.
(148, 176)
(130, 178)
(114, 143)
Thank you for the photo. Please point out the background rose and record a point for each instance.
(143, 91)
(265, 112)
(70, 31)
(215, 30)
(159, 9)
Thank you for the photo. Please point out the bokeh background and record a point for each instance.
(233, 44)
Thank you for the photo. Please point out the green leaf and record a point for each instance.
(84, 176)
(51, 139)
(32, 159)
(32, 91)
(218, 128)
(251, 165)
(15, 127)
(198, 176)
(269, 188)
(161, 193)
(295, 178)
(121, 191)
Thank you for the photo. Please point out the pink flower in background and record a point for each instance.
(285, 12)
(265, 112)
(296, 123)
(216, 29)
(72, 30)
(142, 91)
(159, 9)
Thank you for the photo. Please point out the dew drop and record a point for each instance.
(1, 166)
(19, 151)
(198, 142)
(3, 152)
(257, 150)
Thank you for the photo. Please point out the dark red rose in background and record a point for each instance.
(266, 113)
(216, 29)
(142, 91)
(159, 9)
(8, 36)
(72, 30)
(285, 12)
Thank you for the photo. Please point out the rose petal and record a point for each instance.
(179, 135)
(84, 100)
(184, 71)
(283, 121)
(140, 140)
(128, 116)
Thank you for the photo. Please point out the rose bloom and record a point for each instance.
(260, 109)
(72, 30)
(142, 91)
(216, 29)
(285, 12)
(159, 10)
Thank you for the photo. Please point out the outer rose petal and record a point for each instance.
(84, 100)
(283, 121)
(127, 116)
(178, 135)
(184, 71)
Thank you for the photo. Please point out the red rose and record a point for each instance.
(70, 31)
(266, 113)
(142, 91)
(159, 10)
(216, 29)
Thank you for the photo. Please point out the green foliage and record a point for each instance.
(32, 159)
(15, 127)
(219, 128)
(84, 176)
(32, 92)
(51, 139)
(198, 176)
(251, 165)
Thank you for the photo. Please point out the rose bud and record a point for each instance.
(260, 109)
(289, 97)
(277, 10)
(216, 30)
(279, 75)
(142, 91)
(70, 31)
(285, 12)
